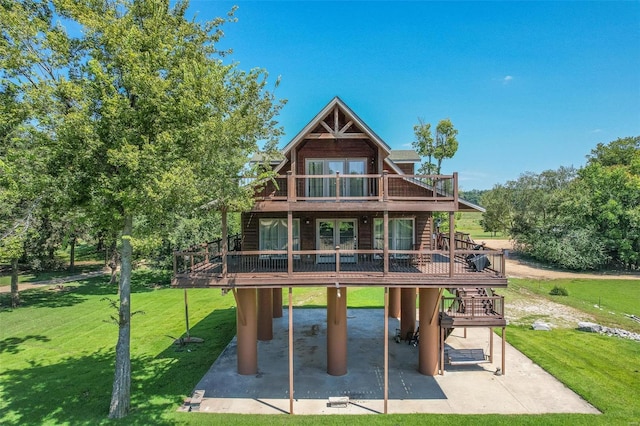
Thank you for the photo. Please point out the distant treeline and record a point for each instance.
(587, 218)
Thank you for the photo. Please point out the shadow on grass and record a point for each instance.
(11, 345)
(76, 292)
(78, 390)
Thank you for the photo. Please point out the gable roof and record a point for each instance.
(315, 121)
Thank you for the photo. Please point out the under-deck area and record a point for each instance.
(464, 389)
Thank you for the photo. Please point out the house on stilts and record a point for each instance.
(345, 211)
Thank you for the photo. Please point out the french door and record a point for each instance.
(337, 232)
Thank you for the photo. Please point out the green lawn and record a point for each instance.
(31, 277)
(606, 300)
(86, 260)
(57, 353)
(469, 223)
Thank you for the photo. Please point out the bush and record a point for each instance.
(559, 291)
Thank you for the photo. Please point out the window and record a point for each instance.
(273, 234)
(326, 187)
(401, 235)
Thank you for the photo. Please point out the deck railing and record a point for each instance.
(470, 307)
(364, 187)
(335, 262)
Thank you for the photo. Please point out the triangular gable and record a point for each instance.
(336, 121)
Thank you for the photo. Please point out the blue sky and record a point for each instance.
(529, 86)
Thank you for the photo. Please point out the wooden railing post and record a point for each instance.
(289, 243)
(385, 246)
(337, 186)
(455, 189)
(503, 264)
(385, 185)
(337, 260)
(224, 241)
(291, 187)
(452, 244)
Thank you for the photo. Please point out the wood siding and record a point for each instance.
(251, 222)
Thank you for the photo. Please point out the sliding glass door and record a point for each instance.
(326, 187)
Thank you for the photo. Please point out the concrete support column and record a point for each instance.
(277, 303)
(394, 302)
(429, 332)
(265, 314)
(247, 331)
(336, 331)
(407, 311)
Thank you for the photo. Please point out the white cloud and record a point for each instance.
(507, 79)
(596, 131)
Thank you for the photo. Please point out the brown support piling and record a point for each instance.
(428, 353)
(407, 311)
(277, 303)
(337, 331)
(394, 302)
(265, 314)
(247, 331)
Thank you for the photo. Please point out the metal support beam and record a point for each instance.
(290, 350)
(386, 348)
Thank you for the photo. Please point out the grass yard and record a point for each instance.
(469, 222)
(31, 277)
(86, 260)
(57, 354)
(607, 300)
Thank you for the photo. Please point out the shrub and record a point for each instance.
(559, 291)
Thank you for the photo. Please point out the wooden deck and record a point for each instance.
(249, 269)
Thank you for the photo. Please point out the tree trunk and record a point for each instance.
(121, 394)
(15, 296)
(72, 254)
(113, 263)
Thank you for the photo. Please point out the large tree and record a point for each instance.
(150, 124)
(435, 148)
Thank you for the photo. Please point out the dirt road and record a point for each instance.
(518, 268)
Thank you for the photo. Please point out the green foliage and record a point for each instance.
(584, 219)
(443, 145)
(473, 196)
(137, 118)
(559, 291)
(498, 216)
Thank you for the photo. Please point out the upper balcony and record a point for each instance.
(359, 192)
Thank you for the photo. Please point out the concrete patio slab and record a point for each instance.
(471, 389)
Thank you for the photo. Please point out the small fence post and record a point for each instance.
(337, 260)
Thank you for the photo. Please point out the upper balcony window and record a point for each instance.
(352, 184)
